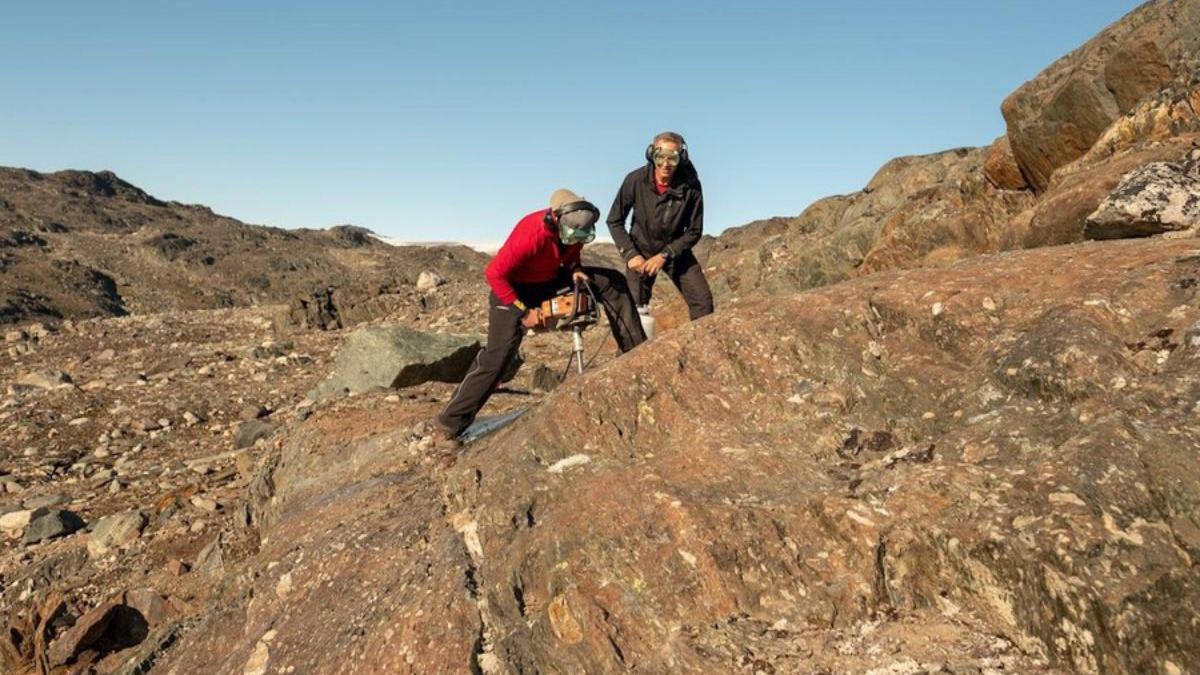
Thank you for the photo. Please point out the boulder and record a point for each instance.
(1058, 116)
(115, 531)
(46, 524)
(1156, 198)
(110, 627)
(396, 356)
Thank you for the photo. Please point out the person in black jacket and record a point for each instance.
(668, 219)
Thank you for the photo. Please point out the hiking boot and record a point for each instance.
(443, 439)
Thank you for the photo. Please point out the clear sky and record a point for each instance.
(450, 120)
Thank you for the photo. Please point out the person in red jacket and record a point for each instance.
(537, 261)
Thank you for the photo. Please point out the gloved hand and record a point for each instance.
(532, 318)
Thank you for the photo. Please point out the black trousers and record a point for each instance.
(505, 333)
(688, 277)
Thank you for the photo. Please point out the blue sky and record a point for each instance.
(448, 121)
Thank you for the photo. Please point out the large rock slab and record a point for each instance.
(397, 356)
(1156, 198)
(1009, 441)
(1058, 116)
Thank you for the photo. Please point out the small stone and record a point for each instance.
(245, 466)
(429, 280)
(252, 412)
(48, 379)
(177, 568)
(989, 304)
(250, 432)
(937, 308)
(211, 559)
(284, 587)
(568, 462)
(204, 503)
(13, 523)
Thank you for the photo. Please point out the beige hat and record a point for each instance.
(561, 197)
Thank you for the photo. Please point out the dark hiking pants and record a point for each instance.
(688, 277)
(505, 333)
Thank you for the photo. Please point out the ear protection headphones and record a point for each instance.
(553, 215)
(683, 153)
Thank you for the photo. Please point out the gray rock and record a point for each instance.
(1157, 198)
(211, 559)
(46, 524)
(544, 378)
(46, 501)
(115, 531)
(250, 432)
(251, 411)
(396, 356)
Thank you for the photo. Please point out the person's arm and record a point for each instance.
(616, 220)
(691, 232)
(511, 255)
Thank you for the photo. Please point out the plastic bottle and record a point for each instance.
(648, 326)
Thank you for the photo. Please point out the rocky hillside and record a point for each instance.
(75, 244)
(970, 446)
(1128, 97)
(988, 465)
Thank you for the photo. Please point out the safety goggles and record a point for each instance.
(577, 227)
(664, 157)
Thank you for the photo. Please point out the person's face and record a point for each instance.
(666, 160)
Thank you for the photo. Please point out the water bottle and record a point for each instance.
(648, 326)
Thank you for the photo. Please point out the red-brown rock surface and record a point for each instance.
(986, 464)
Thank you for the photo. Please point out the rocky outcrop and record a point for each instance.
(1058, 117)
(1008, 441)
(1127, 98)
(924, 210)
(1156, 198)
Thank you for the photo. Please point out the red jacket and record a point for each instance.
(530, 255)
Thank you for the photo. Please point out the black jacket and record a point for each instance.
(671, 222)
